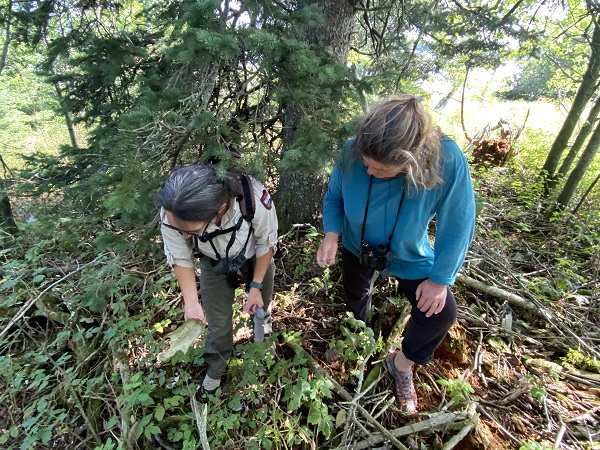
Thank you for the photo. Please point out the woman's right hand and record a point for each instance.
(327, 250)
(194, 311)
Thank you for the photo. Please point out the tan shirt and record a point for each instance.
(264, 234)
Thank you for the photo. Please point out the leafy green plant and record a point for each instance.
(537, 390)
(458, 389)
(358, 341)
(536, 446)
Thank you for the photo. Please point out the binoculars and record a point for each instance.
(376, 256)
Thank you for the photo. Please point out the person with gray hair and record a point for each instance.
(202, 216)
(394, 177)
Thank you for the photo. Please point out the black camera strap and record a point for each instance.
(364, 225)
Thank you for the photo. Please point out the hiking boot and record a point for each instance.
(404, 389)
(210, 386)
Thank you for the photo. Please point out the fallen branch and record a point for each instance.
(577, 374)
(438, 421)
(500, 427)
(455, 440)
(44, 270)
(201, 417)
(505, 295)
(532, 307)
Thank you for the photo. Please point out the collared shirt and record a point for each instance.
(178, 250)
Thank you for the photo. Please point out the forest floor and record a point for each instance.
(512, 368)
(519, 369)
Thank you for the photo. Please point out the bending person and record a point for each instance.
(202, 216)
(399, 173)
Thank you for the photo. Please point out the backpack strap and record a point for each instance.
(246, 201)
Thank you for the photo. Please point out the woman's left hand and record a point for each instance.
(431, 297)
(253, 300)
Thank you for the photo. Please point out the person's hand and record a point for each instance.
(431, 297)
(194, 311)
(327, 250)
(253, 301)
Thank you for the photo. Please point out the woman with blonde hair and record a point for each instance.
(397, 175)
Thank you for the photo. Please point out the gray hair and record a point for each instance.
(195, 193)
(401, 132)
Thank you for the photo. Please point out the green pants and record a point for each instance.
(217, 300)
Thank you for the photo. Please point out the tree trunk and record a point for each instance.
(584, 93)
(586, 129)
(8, 38)
(7, 221)
(584, 196)
(580, 169)
(67, 116)
(299, 196)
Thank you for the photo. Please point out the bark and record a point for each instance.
(7, 221)
(583, 95)
(587, 192)
(580, 169)
(7, 39)
(299, 196)
(67, 116)
(585, 131)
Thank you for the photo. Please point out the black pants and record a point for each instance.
(423, 334)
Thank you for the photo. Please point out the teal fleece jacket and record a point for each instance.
(452, 203)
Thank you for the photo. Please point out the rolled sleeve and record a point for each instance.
(177, 249)
(265, 222)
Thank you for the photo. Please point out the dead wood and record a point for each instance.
(437, 421)
(533, 307)
(505, 295)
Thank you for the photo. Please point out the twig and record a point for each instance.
(455, 440)
(75, 398)
(560, 434)
(125, 374)
(295, 228)
(162, 443)
(504, 430)
(439, 420)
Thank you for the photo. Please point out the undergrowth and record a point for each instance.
(86, 307)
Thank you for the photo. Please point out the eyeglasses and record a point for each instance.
(196, 233)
